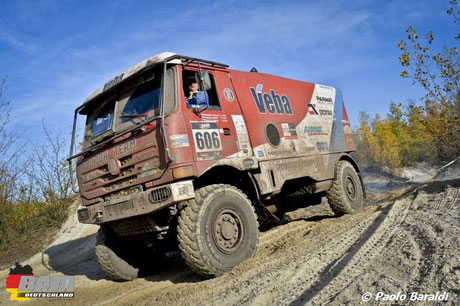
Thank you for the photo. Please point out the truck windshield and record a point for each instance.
(103, 120)
(142, 102)
(131, 103)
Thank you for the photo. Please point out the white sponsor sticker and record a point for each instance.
(179, 140)
(241, 132)
(182, 191)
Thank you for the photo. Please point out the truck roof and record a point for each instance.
(133, 70)
(129, 72)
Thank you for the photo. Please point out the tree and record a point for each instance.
(9, 156)
(438, 74)
(48, 168)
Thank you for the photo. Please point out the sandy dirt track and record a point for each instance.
(401, 241)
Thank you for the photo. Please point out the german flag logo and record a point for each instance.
(12, 281)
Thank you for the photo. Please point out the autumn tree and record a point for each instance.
(438, 74)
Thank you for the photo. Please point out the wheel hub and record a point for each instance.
(350, 188)
(227, 231)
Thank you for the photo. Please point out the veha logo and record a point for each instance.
(270, 102)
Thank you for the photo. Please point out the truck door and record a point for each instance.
(220, 130)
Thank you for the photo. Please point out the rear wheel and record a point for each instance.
(217, 230)
(346, 193)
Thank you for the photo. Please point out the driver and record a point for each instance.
(196, 98)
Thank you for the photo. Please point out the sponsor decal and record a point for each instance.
(228, 94)
(289, 130)
(270, 102)
(23, 285)
(322, 146)
(292, 166)
(328, 88)
(96, 160)
(206, 135)
(313, 130)
(241, 132)
(214, 117)
(325, 112)
(182, 190)
(113, 82)
(311, 109)
(248, 162)
(260, 153)
(321, 99)
(179, 140)
(125, 147)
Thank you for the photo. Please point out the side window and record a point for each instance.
(188, 77)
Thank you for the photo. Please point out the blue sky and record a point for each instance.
(57, 52)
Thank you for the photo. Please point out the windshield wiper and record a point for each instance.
(104, 136)
(123, 115)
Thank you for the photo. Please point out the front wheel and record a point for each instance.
(217, 230)
(113, 261)
(346, 193)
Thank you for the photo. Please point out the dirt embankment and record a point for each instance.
(401, 241)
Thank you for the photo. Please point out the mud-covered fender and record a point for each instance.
(347, 157)
(240, 163)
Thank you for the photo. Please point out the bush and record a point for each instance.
(19, 221)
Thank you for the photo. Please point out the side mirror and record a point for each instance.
(204, 78)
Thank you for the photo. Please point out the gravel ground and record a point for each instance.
(402, 241)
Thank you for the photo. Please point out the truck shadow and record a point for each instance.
(74, 257)
(77, 258)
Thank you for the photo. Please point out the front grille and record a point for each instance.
(123, 172)
(133, 226)
(123, 193)
(160, 194)
(120, 184)
(136, 168)
(126, 160)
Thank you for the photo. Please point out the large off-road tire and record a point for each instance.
(217, 230)
(346, 193)
(110, 260)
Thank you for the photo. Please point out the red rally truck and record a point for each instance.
(156, 171)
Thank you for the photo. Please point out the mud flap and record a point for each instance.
(362, 184)
(264, 216)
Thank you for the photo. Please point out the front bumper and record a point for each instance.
(136, 204)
